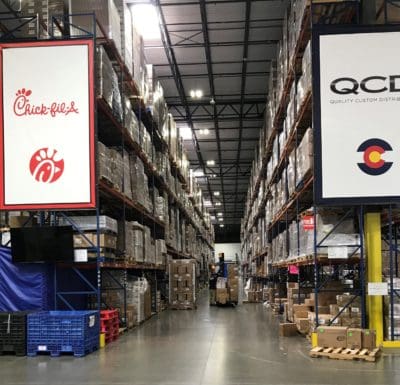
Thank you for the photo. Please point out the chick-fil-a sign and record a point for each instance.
(24, 107)
(47, 126)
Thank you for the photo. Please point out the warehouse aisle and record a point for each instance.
(210, 346)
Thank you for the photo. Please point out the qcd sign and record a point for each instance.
(356, 95)
(47, 126)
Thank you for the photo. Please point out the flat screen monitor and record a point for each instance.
(42, 244)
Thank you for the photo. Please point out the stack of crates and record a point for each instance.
(56, 332)
(182, 284)
(109, 320)
(13, 333)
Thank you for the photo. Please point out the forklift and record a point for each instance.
(224, 283)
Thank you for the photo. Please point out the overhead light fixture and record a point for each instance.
(221, 219)
(207, 203)
(210, 162)
(212, 217)
(212, 101)
(204, 131)
(218, 203)
(186, 132)
(221, 225)
(220, 214)
(146, 20)
(216, 193)
(198, 173)
(196, 94)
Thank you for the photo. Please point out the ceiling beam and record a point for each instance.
(223, 62)
(204, 26)
(216, 44)
(178, 81)
(243, 84)
(216, 75)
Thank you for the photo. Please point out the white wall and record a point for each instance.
(229, 249)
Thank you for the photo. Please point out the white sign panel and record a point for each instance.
(47, 125)
(378, 288)
(356, 116)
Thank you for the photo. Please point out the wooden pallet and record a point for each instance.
(346, 354)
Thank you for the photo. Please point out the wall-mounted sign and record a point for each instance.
(47, 126)
(356, 92)
(378, 288)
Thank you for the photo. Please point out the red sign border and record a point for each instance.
(53, 206)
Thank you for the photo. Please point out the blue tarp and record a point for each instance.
(23, 286)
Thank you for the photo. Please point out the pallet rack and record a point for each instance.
(113, 132)
(315, 270)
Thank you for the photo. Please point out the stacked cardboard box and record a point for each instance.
(44, 9)
(345, 337)
(106, 14)
(233, 282)
(182, 284)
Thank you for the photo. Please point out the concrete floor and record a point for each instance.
(210, 346)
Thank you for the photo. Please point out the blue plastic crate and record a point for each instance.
(58, 332)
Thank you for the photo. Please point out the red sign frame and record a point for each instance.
(92, 161)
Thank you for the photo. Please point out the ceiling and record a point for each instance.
(223, 48)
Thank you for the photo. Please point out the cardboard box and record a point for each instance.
(333, 309)
(350, 322)
(309, 302)
(323, 310)
(303, 325)
(354, 338)
(287, 329)
(222, 296)
(21, 221)
(301, 314)
(303, 308)
(332, 336)
(108, 241)
(368, 339)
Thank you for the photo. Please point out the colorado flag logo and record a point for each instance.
(373, 150)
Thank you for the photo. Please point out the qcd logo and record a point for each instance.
(373, 162)
(371, 84)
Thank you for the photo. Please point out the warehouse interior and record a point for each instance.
(184, 196)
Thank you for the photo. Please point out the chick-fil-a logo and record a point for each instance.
(23, 107)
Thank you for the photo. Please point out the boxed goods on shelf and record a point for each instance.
(138, 58)
(392, 12)
(131, 241)
(126, 33)
(89, 239)
(106, 15)
(89, 223)
(45, 10)
(396, 314)
(130, 121)
(116, 165)
(139, 181)
(304, 154)
(161, 251)
(58, 332)
(136, 291)
(13, 333)
(127, 181)
(106, 78)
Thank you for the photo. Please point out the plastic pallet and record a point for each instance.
(12, 349)
(57, 332)
(108, 314)
(57, 353)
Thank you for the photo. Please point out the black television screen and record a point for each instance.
(42, 244)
